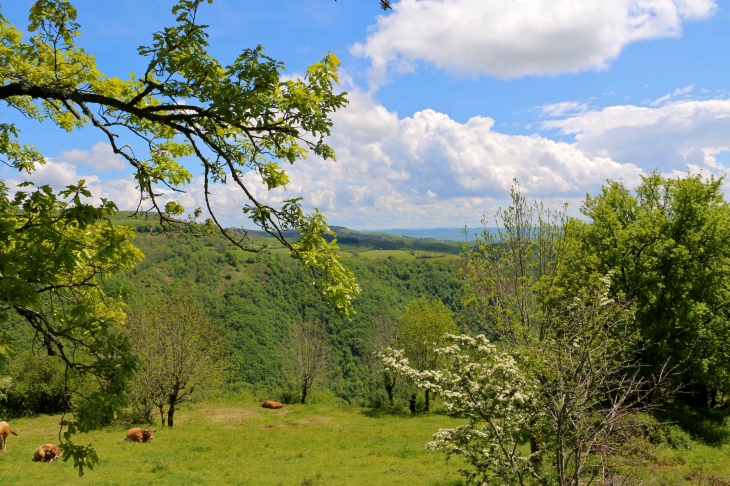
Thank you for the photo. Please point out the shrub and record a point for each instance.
(38, 385)
(678, 437)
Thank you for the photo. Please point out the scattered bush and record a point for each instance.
(37, 384)
(677, 437)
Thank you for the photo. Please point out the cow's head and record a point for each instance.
(147, 435)
(52, 454)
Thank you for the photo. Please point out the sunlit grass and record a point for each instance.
(242, 444)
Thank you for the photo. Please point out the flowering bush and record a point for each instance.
(486, 387)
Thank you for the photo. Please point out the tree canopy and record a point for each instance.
(233, 119)
(666, 249)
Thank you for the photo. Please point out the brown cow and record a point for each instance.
(270, 404)
(140, 435)
(4, 431)
(46, 453)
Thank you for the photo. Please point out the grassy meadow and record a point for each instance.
(243, 444)
(231, 443)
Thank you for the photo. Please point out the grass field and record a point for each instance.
(312, 445)
(242, 444)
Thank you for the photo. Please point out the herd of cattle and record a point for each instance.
(50, 452)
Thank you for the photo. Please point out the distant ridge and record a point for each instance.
(443, 234)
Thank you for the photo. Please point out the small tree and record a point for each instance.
(385, 335)
(307, 356)
(181, 351)
(423, 327)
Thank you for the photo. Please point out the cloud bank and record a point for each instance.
(513, 38)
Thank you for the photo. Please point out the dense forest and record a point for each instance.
(255, 297)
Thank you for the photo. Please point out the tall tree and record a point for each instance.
(424, 326)
(181, 351)
(666, 248)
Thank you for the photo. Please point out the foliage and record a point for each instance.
(37, 385)
(486, 387)
(386, 329)
(56, 250)
(256, 298)
(423, 325)
(666, 248)
(233, 119)
(180, 350)
(512, 276)
(307, 358)
(578, 345)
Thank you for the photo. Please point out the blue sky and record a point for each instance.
(450, 99)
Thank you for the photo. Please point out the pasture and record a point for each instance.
(243, 444)
(231, 443)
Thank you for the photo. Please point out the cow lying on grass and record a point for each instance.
(46, 453)
(270, 404)
(140, 435)
(4, 432)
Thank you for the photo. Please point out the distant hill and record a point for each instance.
(443, 234)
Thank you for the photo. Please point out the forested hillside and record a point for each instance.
(256, 297)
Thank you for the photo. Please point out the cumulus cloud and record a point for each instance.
(59, 174)
(669, 137)
(428, 169)
(418, 171)
(513, 38)
(101, 158)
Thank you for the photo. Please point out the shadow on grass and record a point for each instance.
(709, 425)
(377, 412)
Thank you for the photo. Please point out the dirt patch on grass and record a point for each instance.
(228, 414)
(316, 420)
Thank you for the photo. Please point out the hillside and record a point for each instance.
(256, 296)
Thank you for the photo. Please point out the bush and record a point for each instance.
(38, 386)
(678, 437)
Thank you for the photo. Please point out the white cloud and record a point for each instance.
(419, 171)
(669, 137)
(59, 174)
(101, 158)
(513, 38)
(563, 108)
(429, 170)
(674, 94)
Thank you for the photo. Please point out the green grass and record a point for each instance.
(242, 444)
(312, 445)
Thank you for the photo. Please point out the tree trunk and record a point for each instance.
(171, 411)
(428, 400)
(304, 394)
(696, 395)
(162, 414)
(535, 443)
(389, 386)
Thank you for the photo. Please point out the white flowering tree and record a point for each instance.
(578, 391)
(485, 386)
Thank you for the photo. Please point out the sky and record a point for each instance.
(449, 100)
